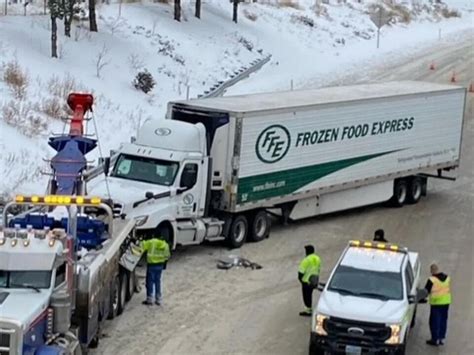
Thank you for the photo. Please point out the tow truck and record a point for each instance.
(66, 263)
(369, 303)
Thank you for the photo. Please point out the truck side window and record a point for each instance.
(189, 175)
(409, 278)
(60, 275)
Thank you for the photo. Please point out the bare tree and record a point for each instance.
(92, 17)
(177, 10)
(101, 60)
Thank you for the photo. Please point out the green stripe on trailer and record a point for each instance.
(280, 183)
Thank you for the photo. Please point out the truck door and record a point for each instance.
(191, 190)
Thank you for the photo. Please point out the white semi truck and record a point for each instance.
(215, 167)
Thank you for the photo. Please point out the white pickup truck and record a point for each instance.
(369, 303)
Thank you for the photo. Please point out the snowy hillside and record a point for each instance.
(306, 41)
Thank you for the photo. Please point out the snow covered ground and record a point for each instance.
(309, 46)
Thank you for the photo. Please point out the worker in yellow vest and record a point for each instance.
(438, 288)
(308, 275)
(157, 254)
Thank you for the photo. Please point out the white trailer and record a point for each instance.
(304, 153)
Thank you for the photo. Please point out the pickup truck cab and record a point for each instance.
(369, 303)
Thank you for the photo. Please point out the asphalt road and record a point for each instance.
(208, 311)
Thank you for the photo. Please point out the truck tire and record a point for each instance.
(131, 283)
(413, 320)
(315, 349)
(123, 292)
(238, 231)
(114, 298)
(400, 192)
(415, 190)
(259, 226)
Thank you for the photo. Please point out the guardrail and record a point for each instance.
(220, 88)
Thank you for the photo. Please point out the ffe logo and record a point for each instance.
(273, 144)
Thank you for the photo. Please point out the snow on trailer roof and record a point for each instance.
(373, 259)
(302, 98)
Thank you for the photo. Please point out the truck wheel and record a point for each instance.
(415, 190)
(315, 350)
(400, 192)
(114, 298)
(122, 293)
(259, 226)
(413, 320)
(132, 283)
(237, 231)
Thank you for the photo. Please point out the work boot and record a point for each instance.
(147, 302)
(441, 342)
(432, 342)
(158, 302)
(306, 313)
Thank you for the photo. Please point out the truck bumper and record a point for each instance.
(336, 346)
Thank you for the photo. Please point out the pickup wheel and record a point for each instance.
(114, 298)
(400, 192)
(415, 190)
(413, 320)
(315, 349)
(237, 231)
(259, 226)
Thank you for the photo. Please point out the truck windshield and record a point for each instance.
(25, 279)
(367, 283)
(153, 171)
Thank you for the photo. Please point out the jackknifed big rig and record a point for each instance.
(66, 264)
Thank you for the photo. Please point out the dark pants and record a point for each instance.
(438, 322)
(153, 281)
(307, 295)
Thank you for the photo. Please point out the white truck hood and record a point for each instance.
(123, 191)
(23, 306)
(127, 192)
(362, 309)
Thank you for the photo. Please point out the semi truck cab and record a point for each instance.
(33, 270)
(161, 181)
(369, 303)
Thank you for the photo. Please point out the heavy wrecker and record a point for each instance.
(66, 263)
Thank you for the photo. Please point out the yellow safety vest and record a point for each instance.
(440, 294)
(157, 250)
(310, 266)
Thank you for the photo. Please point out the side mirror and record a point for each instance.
(149, 195)
(321, 286)
(106, 165)
(419, 297)
(188, 179)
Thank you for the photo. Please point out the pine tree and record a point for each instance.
(198, 9)
(177, 10)
(236, 10)
(92, 19)
(56, 11)
(68, 16)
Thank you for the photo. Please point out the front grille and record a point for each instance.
(5, 339)
(349, 331)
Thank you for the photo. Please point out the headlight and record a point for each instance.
(140, 220)
(319, 322)
(395, 335)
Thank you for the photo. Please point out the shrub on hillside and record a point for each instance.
(448, 13)
(250, 15)
(16, 79)
(21, 115)
(144, 81)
